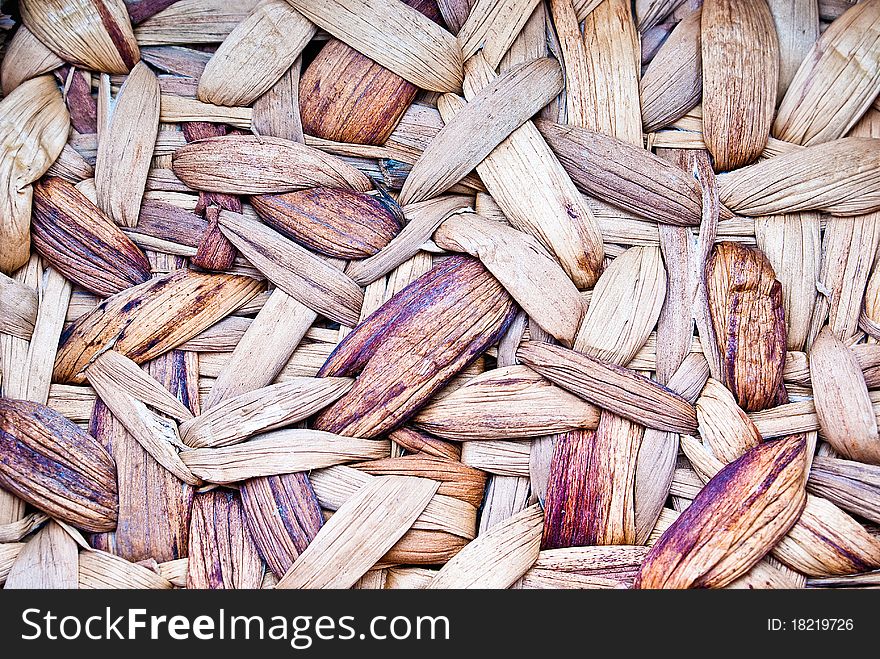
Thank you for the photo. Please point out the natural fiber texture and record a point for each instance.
(673, 83)
(420, 294)
(534, 191)
(407, 42)
(740, 74)
(791, 244)
(193, 21)
(840, 177)
(797, 28)
(506, 403)
(255, 55)
(96, 34)
(26, 57)
(360, 532)
(261, 165)
(83, 243)
(176, 307)
(842, 403)
(612, 72)
(597, 164)
(836, 82)
(471, 134)
(775, 499)
(124, 150)
(519, 263)
(625, 306)
(33, 127)
(493, 25)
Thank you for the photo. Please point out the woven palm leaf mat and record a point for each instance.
(419, 294)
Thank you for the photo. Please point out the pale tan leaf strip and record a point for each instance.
(280, 452)
(235, 419)
(498, 557)
(300, 273)
(409, 43)
(491, 116)
(362, 530)
(125, 148)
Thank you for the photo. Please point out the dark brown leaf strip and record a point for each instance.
(283, 516)
(736, 519)
(413, 344)
(222, 554)
(336, 222)
(55, 466)
(745, 304)
(82, 242)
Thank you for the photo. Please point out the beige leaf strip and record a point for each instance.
(625, 306)
(423, 218)
(157, 435)
(506, 403)
(673, 82)
(336, 485)
(125, 148)
(797, 27)
(101, 570)
(18, 308)
(531, 276)
(34, 123)
(854, 486)
(362, 530)
(264, 349)
(611, 387)
(493, 25)
(481, 125)
(26, 57)
(840, 177)
(740, 75)
(603, 566)
(193, 21)
(280, 452)
(49, 560)
(255, 54)
(235, 419)
(299, 272)
(96, 34)
(613, 63)
(536, 194)
(792, 245)
(724, 427)
(246, 164)
(845, 412)
(826, 541)
(497, 558)
(409, 43)
(836, 82)
(131, 378)
(625, 175)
